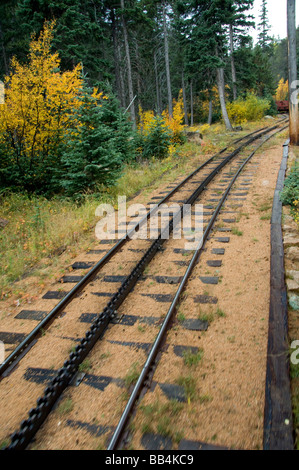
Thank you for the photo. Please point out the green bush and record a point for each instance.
(290, 192)
(157, 141)
(90, 155)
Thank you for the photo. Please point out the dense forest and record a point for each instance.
(137, 71)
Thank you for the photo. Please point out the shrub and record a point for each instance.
(96, 145)
(175, 122)
(252, 108)
(157, 141)
(290, 192)
(159, 135)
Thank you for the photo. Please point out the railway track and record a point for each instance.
(157, 257)
(26, 341)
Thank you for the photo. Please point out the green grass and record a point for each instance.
(65, 407)
(266, 217)
(265, 208)
(181, 317)
(205, 399)
(85, 366)
(189, 385)
(192, 359)
(162, 418)
(220, 313)
(210, 317)
(4, 444)
(236, 231)
(132, 375)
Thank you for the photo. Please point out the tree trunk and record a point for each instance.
(210, 111)
(221, 90)
(185, 100)
(158, 104)
(3, 51)
(121, 80)
(138, 75)
(167, 61)
(191, 104)
(130, 82)
(120, 91)
(292, 56)
(232, 60)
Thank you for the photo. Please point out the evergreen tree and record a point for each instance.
(80, 35)
(239, 22)
(264, 39)
(12, 41)
(208, 42)
(93, 152)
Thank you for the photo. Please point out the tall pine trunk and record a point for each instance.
(191, 104)
(221, 90)
(118, 80)
(128, 58)
(210, 118)
(169, 93)
(3, 51)
(158, 101)
(232, 60)
(293, 106)
(138, 74)
(185, 99)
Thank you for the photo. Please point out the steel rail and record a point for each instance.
(165, 325)
(27, 342)
(65, 374)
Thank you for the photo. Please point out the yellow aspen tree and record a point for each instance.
(39, 100)
(282, 90)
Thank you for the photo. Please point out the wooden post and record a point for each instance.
(292, 58)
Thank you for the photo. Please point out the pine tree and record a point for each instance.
(264, 39)
(89, 154)
(96, 145)
(239, 22)
(208, 43)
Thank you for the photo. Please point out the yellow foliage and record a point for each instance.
(146, 118)
(204, 128)
(282, 91)
(250, 109)
(39, 99)
(174, 123)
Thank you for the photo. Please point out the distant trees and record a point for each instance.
(147, 50)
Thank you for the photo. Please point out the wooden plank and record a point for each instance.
(278, 422)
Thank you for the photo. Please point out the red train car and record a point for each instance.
(282, 106)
